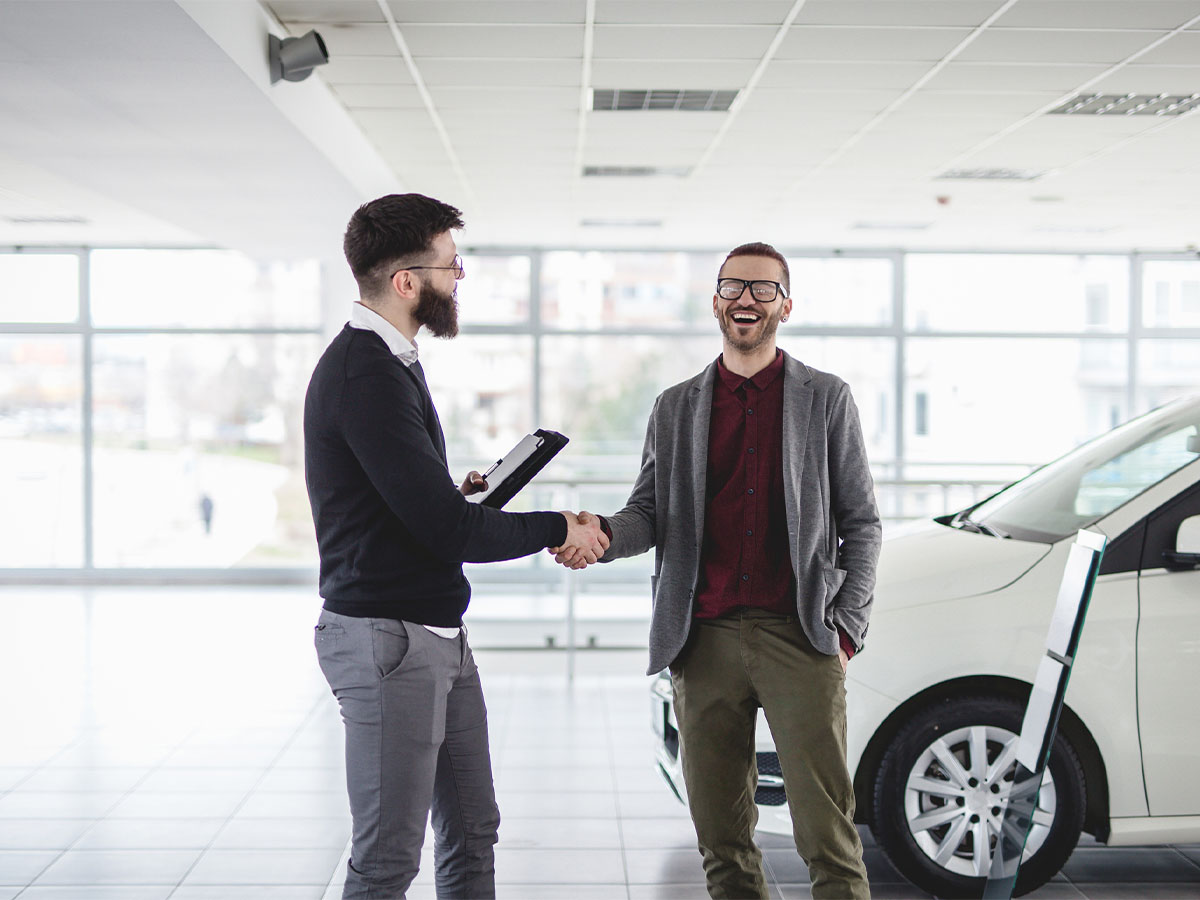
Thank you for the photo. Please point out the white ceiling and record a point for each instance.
(848, 112)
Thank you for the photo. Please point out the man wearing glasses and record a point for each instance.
(755, 491)
(393, 531)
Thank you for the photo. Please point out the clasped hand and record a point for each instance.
(585, 543)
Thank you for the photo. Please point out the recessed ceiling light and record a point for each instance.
(994, 174)
(46, 220)
(1074, 229)
(620, 99)
(635, 171)
(621, 223)
(1127, 105)
(890, 226)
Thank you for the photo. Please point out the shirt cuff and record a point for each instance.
(847, 644)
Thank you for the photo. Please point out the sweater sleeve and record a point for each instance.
(383, 424)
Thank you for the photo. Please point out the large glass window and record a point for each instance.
(596, 289)
(195, 362)
(991, 401)
(483, 388)
(198, 454)
(840, 291)
(41, 451)
(39, 287)
(201, 289)
(495, 291)
(1010, 292)
(1171, 293)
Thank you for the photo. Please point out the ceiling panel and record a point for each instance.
(840, 76)
(964, 76)
(781, 102)
(352, 40)
(480, 123)
(671, 73)
(494, 41)
(366, 70)
(321, 11)
(379, 96)
(968, 13)
(500, 72)
(1182, 49)
(992, 105)
(1151, 80)
(699, 12)
(653, 124)
(490, 11)
(1164, 14)
(701, 42)
(549, 99)
(810, 42)
(1055, 46)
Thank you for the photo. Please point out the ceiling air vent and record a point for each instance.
(990, 175)
(635, 171)
(1128, 105)
(685, 100)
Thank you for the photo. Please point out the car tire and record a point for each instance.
(933, 856)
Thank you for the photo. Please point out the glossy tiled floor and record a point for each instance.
(181, 743)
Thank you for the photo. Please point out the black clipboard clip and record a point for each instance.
(517, 467)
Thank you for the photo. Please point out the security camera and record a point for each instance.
(294, 58)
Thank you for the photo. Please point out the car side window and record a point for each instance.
(1162, 526)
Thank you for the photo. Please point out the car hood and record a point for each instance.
(926, 562)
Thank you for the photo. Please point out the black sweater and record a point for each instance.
(393, 529)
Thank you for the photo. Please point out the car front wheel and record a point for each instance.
(938, 797)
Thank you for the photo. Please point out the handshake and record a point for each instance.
(585, 543)
(586, 540)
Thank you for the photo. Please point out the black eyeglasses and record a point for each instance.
(762, 291)
(457, 266)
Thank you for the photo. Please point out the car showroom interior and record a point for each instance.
(960, 239)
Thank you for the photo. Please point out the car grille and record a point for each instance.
(770, 781)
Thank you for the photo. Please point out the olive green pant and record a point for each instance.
(729, 668)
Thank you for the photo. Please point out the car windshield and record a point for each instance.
(1091, 481)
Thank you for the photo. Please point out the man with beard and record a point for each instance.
(756, 494)
(393, 532)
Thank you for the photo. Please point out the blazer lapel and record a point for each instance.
(701, 399)
(797, 411)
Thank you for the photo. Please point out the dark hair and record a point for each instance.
(391, 230)
(758, 248)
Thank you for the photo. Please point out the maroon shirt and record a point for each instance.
(744, 562)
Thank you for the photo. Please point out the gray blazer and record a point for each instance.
(833, 524)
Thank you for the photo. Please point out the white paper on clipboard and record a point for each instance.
(506, 465)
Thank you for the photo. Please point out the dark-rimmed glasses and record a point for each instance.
(762, 291)
(457, 266)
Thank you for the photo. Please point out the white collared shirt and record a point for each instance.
(365, 319)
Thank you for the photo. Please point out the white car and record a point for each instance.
(962, 606)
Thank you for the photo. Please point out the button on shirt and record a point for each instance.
(745, 563)
(405, 350)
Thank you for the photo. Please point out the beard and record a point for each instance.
(437, 311)
(748, 343)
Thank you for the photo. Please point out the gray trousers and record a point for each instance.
(416, 741)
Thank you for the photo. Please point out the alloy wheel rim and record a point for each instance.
(956, 793)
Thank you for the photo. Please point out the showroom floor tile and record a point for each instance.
(181, 745)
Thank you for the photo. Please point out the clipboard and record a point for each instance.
(517, 467)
